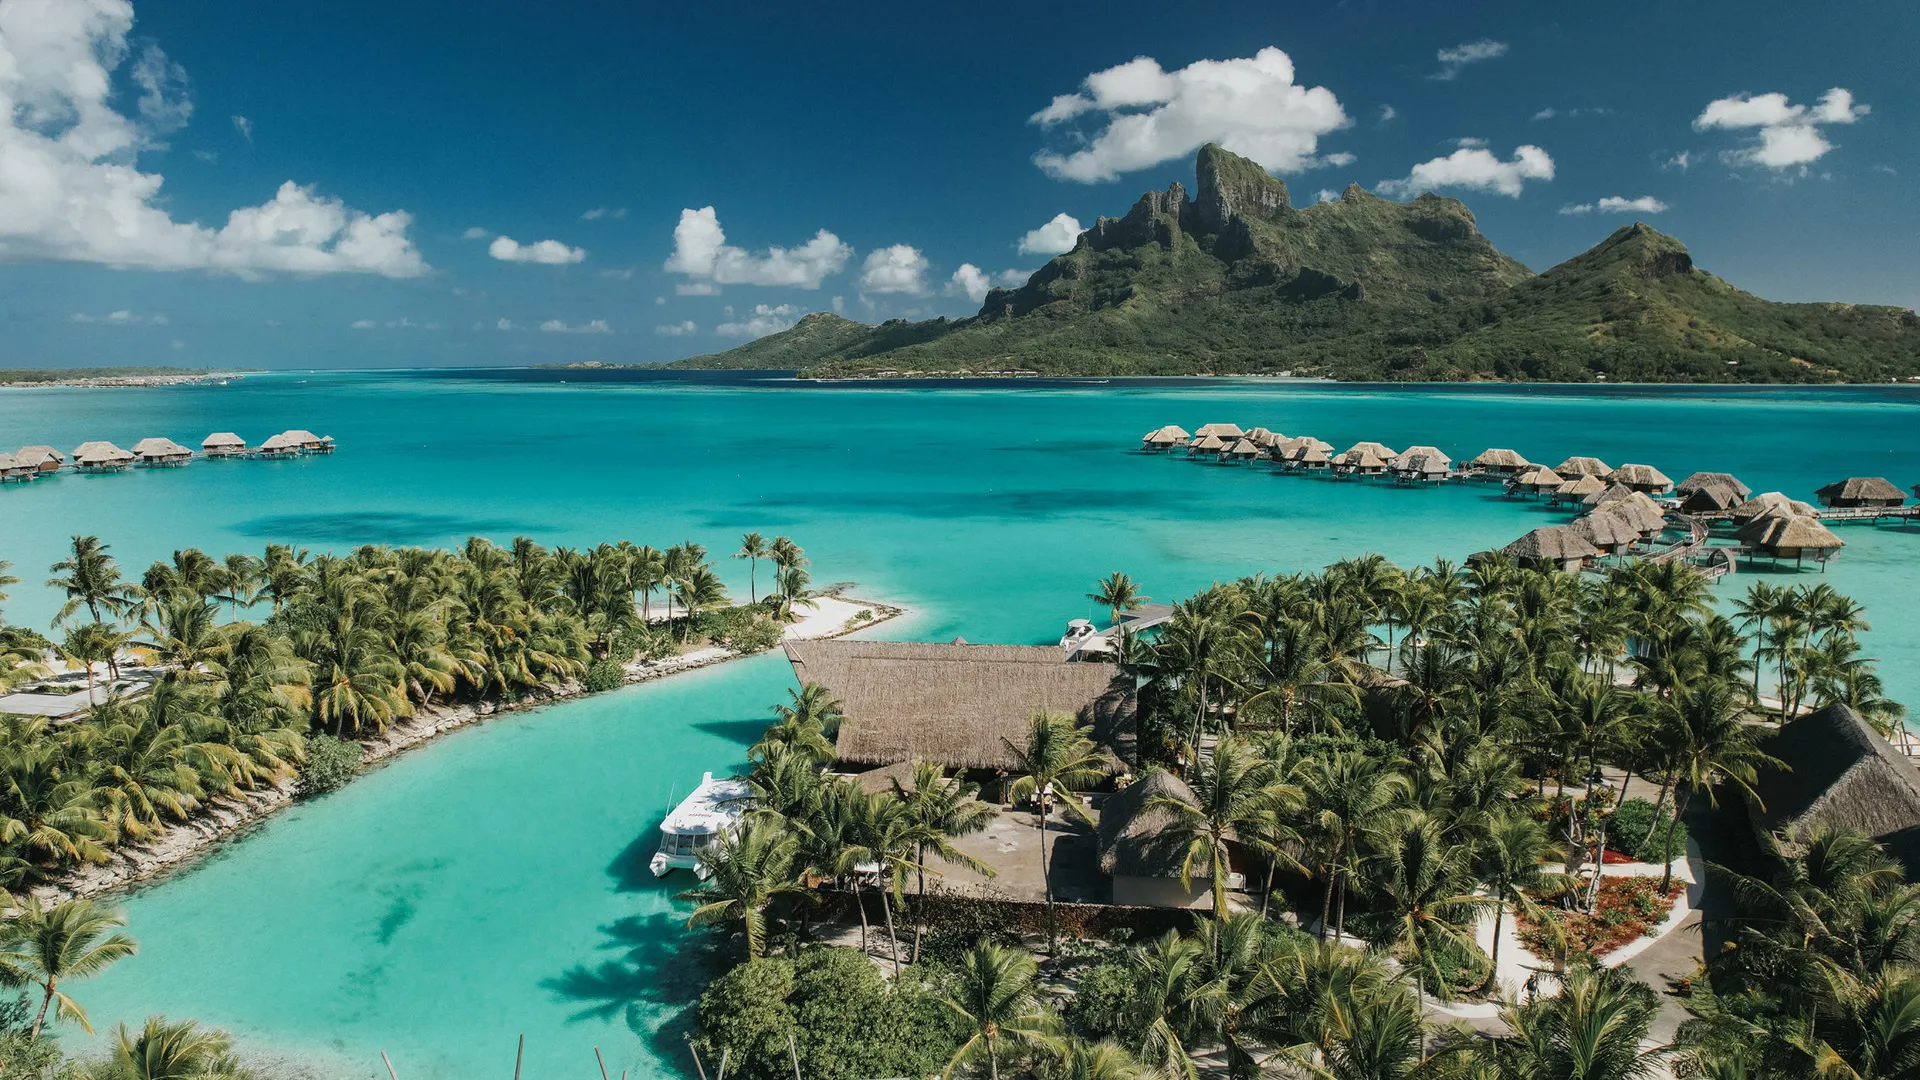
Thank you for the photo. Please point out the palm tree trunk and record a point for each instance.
(993, 1060)
(1267, 894)
(1046, 883)
(1679, 808)
(860, 902)
(1326, 905)
(1654, 825)
(1219, 884)
(41, 1016)
(1499, 915)
(1340, 917)
(893, 939)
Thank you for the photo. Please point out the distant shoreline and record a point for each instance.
(35, 379)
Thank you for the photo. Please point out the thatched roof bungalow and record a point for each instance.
(1642, 478)
(959, 705)
(1608, 494)
(1420, 463)
(1712, 479)
(1861, 491)
(1608, 528)
(1310, 459)
(1499, 462)
(281, 445)
(1379, 450)
(309, 442)
(1791, 536)
(1772, 503)
(1140, 849)
(1578, 488)
(1207, 444)
(1263, 437)
(12, 468)
(1361, 462)
(1710, 499)
(44, 458)
(223, 444)
(1552, 547)
(1535, 480)
(1224, 431)
(161, 451)
(1583, 466)
(1245, 450)
(1840, 774)
(100, 456)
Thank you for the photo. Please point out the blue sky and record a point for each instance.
(318, 185)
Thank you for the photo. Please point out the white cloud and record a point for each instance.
(123, 317)
(659, 301)
(1054, 237)
(1468, 141)
(1327, 194)
(1682, 161)
(677, 329)
(596, 326)
(696, 288)
(475, 232)
(1788, 134)
(598, 212)
(1339, 161)
(362, 324)
(1550, 112)
(766, 319)
(1615, 204)
(402, 323)
(839, 304)
(974, 283)
(701, 251)
(622, 273)
(503, 324)
(163, 90)
(72, 189)
(1387, 113)
(1250, 106)
(1477, 170)
(1467, 52)
(244, 126)
(898, 268)
(547, 252)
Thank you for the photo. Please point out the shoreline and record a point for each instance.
(121, 381)
(227, 818)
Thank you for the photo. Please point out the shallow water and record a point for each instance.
(486, 886)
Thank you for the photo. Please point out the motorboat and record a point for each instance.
(710, 811)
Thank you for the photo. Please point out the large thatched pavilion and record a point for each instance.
(1861, 491)
(1140, 850)
(1553, 547)
(1840, 773)
(960, 705)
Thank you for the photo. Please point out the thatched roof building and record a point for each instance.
(1710, 499)
(100, 455)
(1378, 450)
(1552, 547)
(161, 451)
(281, 445)
(1224, 431)
(1791, 536)
(11, 468)
(1607, 494)
(1162, 439)
(1771, 503)
(1263, 437)
(1245, 450)
(1420, 463)
(1311, 459)
(1700, 480)
(1497, 460)
(223, 444)
(1861, 491)
(1841, 774)
(1583, 466)
(1608, 528)
(1207, 444)
(1141, 851)
(1578, 488)
(958, 705)
(1642, 478)
(44, 458)
(1536, 479)
(1360, 461)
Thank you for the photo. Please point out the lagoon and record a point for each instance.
(491, 883)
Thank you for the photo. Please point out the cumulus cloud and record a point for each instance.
(1681, 161)
(1475, 169)
(766, 319)
(72, 189)
(677, 329)
(701, 252)
(1250, 106)
(1468, 141)
(598, 212)
(596, 326)
(503, 324)
(475, 232)
(548, 252)
(974, 283)
(122, 317)
(1787, 134)
(898, 268)
(1327, 194)
(1052, 238)
(1467, 52)
(1615, 204)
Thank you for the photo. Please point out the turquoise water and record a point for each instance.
(486, 885)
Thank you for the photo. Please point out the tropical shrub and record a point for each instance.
(1101, 1003)
(604, 675)
(330, 763)
(755, 637)
(1628, 833)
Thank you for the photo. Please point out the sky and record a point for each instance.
(426, 184)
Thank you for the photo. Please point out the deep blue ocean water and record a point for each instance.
(487, 885)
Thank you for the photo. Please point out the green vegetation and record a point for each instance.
(1237, 281)
(347, 646)
(25, 376)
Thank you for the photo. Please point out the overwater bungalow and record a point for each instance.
(1160, 439)
(1360, 461)
(309, 443)
(1499, 462)
(1223, 431)
(1553, 547)
(1379, 450)
(1420, 465)
(1713, 498)
(1607, 494)
(44, 459)
(1309, 458)
(1608, 529)
(1642, 478)
(1244, 450)
(1701, 480)
(281, 445)
(1793, 536)
(1578, 488)
(1861, 491)
(156, 451)
(1644, 514)
(223, 444)
(1583, 466)
(960, 706)
(1536, 481)
(1770, 503)
(1843, 774)
(100, 456)
(11, 468)
(1207, 444)
(1263, 437)
(1142, 852)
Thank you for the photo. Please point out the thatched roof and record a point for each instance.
(1607, 527)
(1539, 476)
(1841, 773)
(159, 447)
(1642, 512)
(1263, 436)
(1245, 448)
(1362, 459)
(302, 435)
(222, 440)
(1161, 437)
(876, 781)
(1378, 450)
(1582, 466)
(99, 452)
(1312, 455)
(1710, 499)
(1208, 442)
(1645, 476)
(1135, 839)
(1499, 459)
(1582, 485)
(1770, 503)
(1712, 479)
(1875, 488)
(1790, 531)
(1175, 431)
(9, 462)
(1424, 459)
(1608, 494)
(1556, 542)
(1224, 431)
(954, 704)
(34, 455)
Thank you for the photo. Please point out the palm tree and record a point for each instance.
(1058, 756)
(996, 999)
(1591, 1030)
(753, 548)
(1103, 1060)
(1237, 798)
(1172, 999)
(1201, 648)
(1117, 593)
(751, 868)
(1705, 744)
(1509, 861)
(51, 816)
(1425, 882)
(91, 580)
(1348, 797)
(89, 644)
(46, 946)
(791, 589)
(697, 589)
(937, 810)
(786, 554)
(181, 1050)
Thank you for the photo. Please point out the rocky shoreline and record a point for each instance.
(122, 381)
(226, 818)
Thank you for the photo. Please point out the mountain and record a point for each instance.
(1236, 280)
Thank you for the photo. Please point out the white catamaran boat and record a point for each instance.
(711, 810)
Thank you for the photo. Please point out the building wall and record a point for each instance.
(1160, 892)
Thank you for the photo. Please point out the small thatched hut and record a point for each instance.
(1378, 450)
(1244, 450)
(1360, 462)
(1310, 459)
(1224, 431)
(1159, 439)
(1861, 491)
(309, 443)
(1207, 444)
(1840, 773)
(1420, 464)
(1771, 503)
(1791, 536)
(1713, 479)
(1710, 499)
(281, 445)
(1642, 478)
(1608, 494)
(100, 456)
(11, 468)
(43, 458)
(223, 444)
(1499, 462)
(1552, 547)
(1142, 852)
(1577, 489)
(1609, 529)
(161, 451)
(1536, 481)
(1263, 437)
(961, 706)
(1583, 466)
